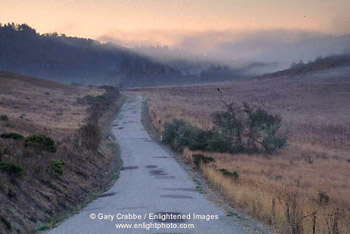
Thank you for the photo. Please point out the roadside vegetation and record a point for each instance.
(297, 184)
(55, 149)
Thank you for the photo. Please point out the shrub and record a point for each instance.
(217, 143)
(91, 136)
(12, 135)
(99, 104)
(57, 166)
(199, 159)
(179, 134)
(40, 143)
(4, 118)
(200, 139)
(11, 168)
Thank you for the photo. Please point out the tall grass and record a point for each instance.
(293, 197)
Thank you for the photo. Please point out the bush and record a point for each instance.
(179, 134)
(12, 135)
(4, 118)
(200, 139)
(236, 130)
(57, 166)
(11, 168)
(101, 103)
(199, 159)
(91, 136)
(217, 143)
(40, 143)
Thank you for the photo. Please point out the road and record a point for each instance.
(151, 182)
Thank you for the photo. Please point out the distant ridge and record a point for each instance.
(317, 65)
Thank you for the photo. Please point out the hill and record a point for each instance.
(47, 164)
(86, 61)
(71, 59)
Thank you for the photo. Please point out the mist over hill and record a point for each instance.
(71, 59)
(256, 52)
(86, 61)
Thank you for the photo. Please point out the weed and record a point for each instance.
(200, 159)
(42, 227)
(40, 143)
(4, 118)
(57, 166)
(11, 168)
(234, 175)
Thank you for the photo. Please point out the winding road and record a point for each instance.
(151, 184)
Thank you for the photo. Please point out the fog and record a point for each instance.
(265, 50)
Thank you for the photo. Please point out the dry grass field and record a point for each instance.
(304, 186)
(31, 101)
(50, 185)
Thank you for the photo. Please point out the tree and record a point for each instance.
(248, 128)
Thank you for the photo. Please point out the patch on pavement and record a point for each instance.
(129, 168)
(107, 194)
(176, 196)
(158, 172)
(165, 177)
(180, 189)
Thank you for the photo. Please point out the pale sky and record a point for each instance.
(96, 18)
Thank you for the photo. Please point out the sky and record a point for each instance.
(225, 31)
(165, 21)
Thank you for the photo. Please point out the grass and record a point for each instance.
(305, 183)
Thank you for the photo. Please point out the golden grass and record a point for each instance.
(43, 104)
(265, 187)
(315, 164)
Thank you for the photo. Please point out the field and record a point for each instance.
(304, 186)
(39, 187)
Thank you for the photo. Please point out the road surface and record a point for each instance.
(151, 183)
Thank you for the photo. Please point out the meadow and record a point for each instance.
(303, 188)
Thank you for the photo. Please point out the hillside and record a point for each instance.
(319, 65)
(47, 165)
(290, 189)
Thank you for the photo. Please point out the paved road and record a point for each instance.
(151, 182)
